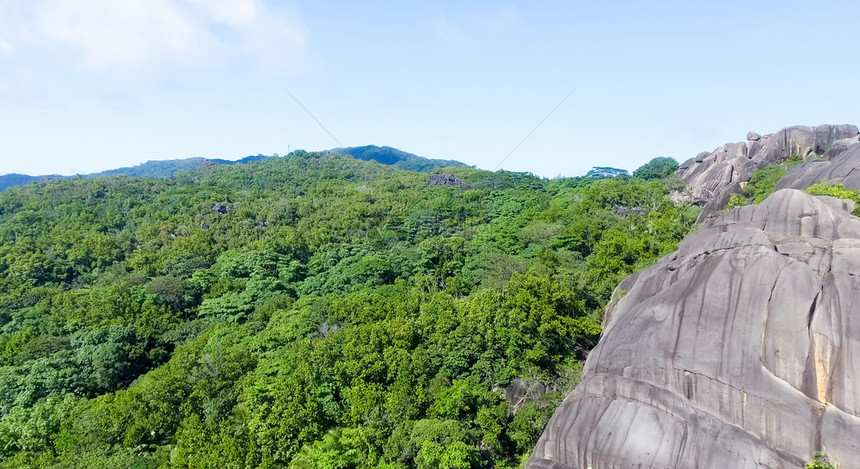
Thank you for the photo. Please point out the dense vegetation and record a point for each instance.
(311, 311)
(658, 168)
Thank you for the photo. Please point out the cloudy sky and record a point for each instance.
(88, 85)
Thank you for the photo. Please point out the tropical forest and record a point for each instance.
(310, 311)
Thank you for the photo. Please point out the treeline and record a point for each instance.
(311, 311)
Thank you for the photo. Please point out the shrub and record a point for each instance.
(838, 190)
(820, 461)
(736, 200)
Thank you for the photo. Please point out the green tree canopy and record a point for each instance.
(658, 168)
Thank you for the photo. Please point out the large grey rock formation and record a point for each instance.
(713, 177)
(843, 168)
(741, 350)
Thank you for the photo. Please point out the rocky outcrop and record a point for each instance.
(740, 350)
(712, 177)
(446, 180)
(521, 392)
(843, 168)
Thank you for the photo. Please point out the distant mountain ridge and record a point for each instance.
(394, 157)
(15, 179)
(168, 168)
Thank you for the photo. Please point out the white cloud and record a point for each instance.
(276, 41)
(134, 35)
(234, 13)
(130, 33)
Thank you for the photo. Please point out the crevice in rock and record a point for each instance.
(812, 310)
(818, 424)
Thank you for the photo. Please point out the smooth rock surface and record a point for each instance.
(711, 175)
(740, 350)
(843, 168)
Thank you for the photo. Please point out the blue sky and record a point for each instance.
(88, 85)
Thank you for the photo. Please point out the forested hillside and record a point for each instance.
(395, 157)
(311, 311)
(169, 168)
(9, 180)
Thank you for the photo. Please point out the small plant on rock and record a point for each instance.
(820, 461)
